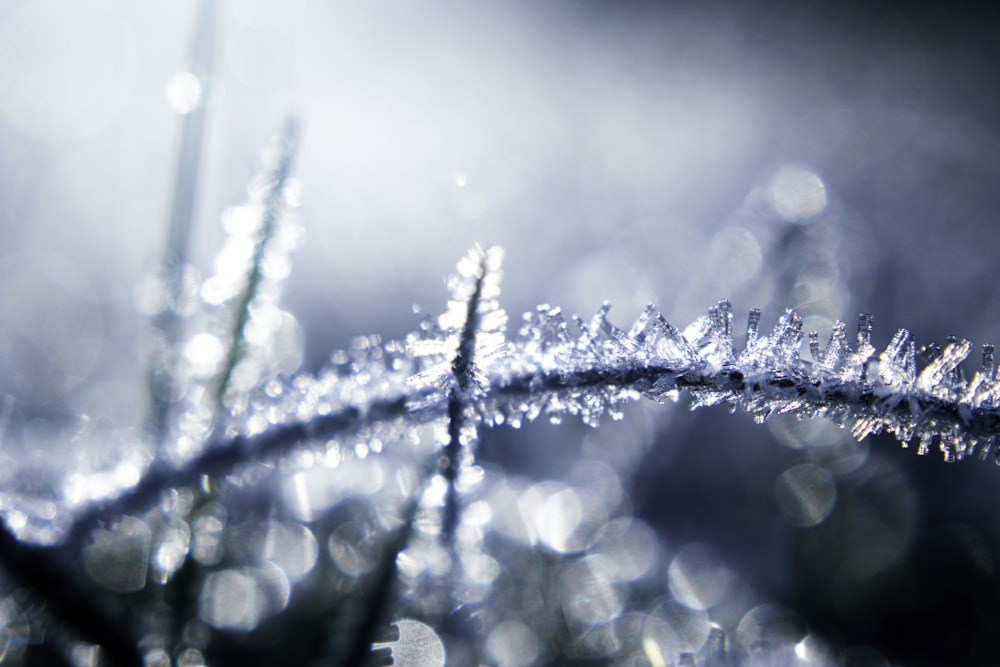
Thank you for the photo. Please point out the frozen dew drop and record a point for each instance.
(806, 494)
(558, 516)
(797, 194)
(698, 578)
(241, 220)
(813, 651)
(628, 549)
(204, 352)
(83, 654)
(240, 598)
(353, 548)
(417, 646)
(184, 92)
(117, 558)
(292, 547)
(587, 595)
(172, 549)
(231, 599)
(512, 644)
(480, 569)
(673, 629)
(157, 657)
(191, 657)
(769, 629)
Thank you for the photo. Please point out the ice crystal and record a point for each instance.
(242, 336)
(468, 337)
(555, 367)
(591, 373)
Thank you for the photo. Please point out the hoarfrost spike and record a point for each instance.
(814, 346)
(836, 348)
(753, 321)
(470, 331)
(545, 370)
(464, 359)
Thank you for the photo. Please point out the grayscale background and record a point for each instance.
(831, 157)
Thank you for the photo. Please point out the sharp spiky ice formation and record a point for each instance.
(462, 368)
(464, 340)
(844, 383)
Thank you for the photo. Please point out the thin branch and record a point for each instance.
(460, 396)
(922, 396)
(272, 211)
(588, 376)
(175, 255)
(222, 455)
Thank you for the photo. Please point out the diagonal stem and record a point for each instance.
(458, 399)
(272, 212)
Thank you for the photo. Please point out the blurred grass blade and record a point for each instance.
(167, 325)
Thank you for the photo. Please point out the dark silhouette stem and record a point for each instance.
(221, 455)
(51, 580)
(458, 399)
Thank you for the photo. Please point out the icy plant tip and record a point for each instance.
(553, 367)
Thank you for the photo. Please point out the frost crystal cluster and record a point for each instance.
(913, 394)
(553, 368)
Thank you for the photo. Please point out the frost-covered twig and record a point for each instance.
(467, 336)
(546, 371)
(462, 372)
(551, 373)
(278, 168)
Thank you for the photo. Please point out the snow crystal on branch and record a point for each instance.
(462, 369)
(549, 372)
(469, 336)
(555, 367)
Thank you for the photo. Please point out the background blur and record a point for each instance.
(835, 158)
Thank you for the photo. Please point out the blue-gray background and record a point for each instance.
(837, 157)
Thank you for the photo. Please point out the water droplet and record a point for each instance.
(698, 578)
(587, 594)
(797, 194)
(292, 548)
(117, 558)
(184, 92)
(240, 598)
(512, 644)
(806, 494)
(673, 629)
